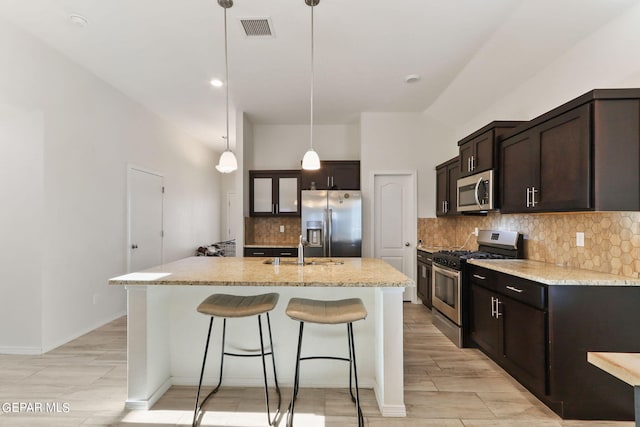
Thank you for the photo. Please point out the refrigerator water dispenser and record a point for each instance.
(314, 233)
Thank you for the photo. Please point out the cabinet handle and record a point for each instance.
(328, 180)
(258, 253)
(473, 163)
(528, 197)
(511, 288)
(498, 314)
(331, 181)
(477, 276)
(533, 197)
(285, 253)
(446, 206)
(493, 305)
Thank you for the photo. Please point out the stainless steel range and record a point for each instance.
(448, 273)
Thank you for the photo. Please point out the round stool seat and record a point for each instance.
(223, 305)
(326, 312)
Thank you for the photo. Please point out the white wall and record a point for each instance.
(403, 141)
(605, 59)
(65, 195)
(283, 146)
(21, 234)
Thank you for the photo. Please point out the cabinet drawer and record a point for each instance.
(526, 291)
(285, 252)
(483, 277)
(258, 252)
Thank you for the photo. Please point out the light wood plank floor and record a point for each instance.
(445, 387)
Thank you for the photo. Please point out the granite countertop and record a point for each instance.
(552, 274)
(624, 366)
(251, 271)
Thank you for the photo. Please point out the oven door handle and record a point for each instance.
(445, 272)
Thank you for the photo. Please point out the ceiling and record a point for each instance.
(163, 53)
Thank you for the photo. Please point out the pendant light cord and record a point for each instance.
(226, 75)
(311, 120)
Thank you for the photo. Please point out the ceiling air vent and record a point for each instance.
(257, 27)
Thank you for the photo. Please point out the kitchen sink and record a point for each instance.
(306, 262)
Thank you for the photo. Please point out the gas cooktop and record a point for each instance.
(492, 245)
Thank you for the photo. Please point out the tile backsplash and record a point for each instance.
(266, 230)
(611, 239)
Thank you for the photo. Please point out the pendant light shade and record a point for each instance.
(228, 162)
(311, 160)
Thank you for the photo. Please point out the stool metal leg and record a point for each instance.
(355, 374)
(353, 398)
(296, 379)
(264, 371)
(204, 361)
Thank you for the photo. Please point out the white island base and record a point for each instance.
(166, 338)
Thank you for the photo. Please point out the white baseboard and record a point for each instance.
(397, 411)
(148, 404)
(259, 382)
(21, 350)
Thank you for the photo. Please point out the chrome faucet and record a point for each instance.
(301, 245)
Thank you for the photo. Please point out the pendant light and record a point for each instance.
(227, 162)
(311, 161)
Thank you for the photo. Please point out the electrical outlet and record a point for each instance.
(282, 228)
(475, 231)
(579, 238)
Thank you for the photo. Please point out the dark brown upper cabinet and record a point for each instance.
(333, 175)
(446, 187)
(274, 192)
(583, 155)
(479, 151)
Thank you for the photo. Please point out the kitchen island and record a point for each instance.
(166, 335)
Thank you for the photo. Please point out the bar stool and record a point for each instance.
(230, 306)
(327, 313)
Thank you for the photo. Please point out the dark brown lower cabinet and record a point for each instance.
(540, 334)
(512, 333)
(423, 282)
(485, 328)
(523, 343)
(270, 251)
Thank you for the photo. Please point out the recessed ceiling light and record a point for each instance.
(217, 83)
(78, 20)
(412, 78)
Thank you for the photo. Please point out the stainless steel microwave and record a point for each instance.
(476, 192)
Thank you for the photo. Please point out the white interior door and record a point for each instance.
(395, 223)
(145, 219)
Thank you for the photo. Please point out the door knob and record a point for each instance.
(407, 244)
(134, 246)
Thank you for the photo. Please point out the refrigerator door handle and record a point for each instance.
(324, 233)
(330, 223)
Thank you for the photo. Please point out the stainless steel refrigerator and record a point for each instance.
(332, 223)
